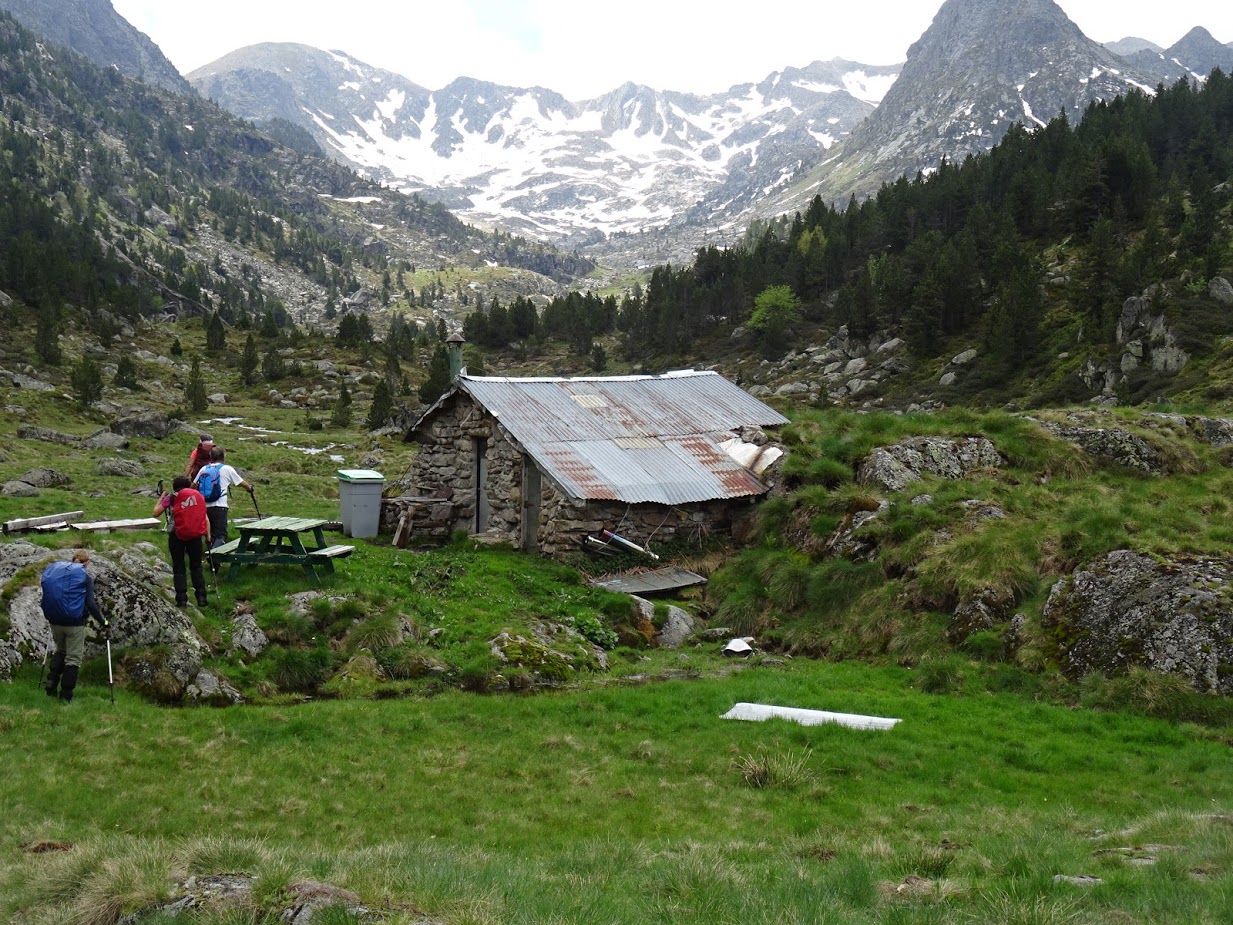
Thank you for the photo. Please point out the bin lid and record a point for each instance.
(360, 475)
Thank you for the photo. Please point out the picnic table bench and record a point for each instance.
(279, 541)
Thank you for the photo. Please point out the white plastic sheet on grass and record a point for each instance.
(758, 712)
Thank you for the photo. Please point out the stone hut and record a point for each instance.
(546, 463)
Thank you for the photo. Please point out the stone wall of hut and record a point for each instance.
(442, 496)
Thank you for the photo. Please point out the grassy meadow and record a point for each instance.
(625, 802)
(619, 796)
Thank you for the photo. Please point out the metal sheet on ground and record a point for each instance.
(758, 712)
(658, 580)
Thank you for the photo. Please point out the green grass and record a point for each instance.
(1062, 509)
(625, 804)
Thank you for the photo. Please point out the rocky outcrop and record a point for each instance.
(893, 468)
(141, 616)
(1127, 609)
(1114, 444)
(673, 629)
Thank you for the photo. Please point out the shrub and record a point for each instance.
(299, 671)
(941, 675)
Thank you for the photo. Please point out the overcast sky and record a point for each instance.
(582, 49)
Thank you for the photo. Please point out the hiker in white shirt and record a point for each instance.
(217, 510)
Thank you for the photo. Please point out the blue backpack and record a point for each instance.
(209, 483)
(64, 593)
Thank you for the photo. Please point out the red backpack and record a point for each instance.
(189, 513)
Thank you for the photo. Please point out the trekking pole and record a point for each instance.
(43, 670)
(253, 494)
(214, 575)
(111, 681)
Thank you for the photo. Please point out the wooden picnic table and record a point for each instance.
(279, 541)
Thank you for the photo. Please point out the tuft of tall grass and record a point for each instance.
(780, 770)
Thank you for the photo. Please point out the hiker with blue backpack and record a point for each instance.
(187, 527)
(68, 596)
(215, 482)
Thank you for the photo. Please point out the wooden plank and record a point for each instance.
(109, 526)
(402, 533)
(30, 523)
(333, 552)
(225, 548)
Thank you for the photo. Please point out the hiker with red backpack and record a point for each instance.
(215, 482)
(187, 527)
(200, 456)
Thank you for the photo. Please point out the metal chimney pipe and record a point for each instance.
(453, 346)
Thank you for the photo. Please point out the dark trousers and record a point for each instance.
(193, 550)
(218, 525)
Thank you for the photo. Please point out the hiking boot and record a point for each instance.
(53, 675)
(68, 682)
(202, 600)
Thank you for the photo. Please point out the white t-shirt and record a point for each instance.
(227, 476)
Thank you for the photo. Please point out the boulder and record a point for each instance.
(1127, 609)
(106, 440)
(893, 468)
(18, 489)
(20, 381)
(153, 425)
(247, 635)
(30, 432)
(141, 616)
(121, 468)
(1217, 432)
(678, 626)
(212, 689)
(1221, 290)
(43, 477)
(1111, 443)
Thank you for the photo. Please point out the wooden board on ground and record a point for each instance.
(650, 582)
(50, 521)
(402, 533)
(110, 526)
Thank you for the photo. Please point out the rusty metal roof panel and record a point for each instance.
(630, 438)
(675, 471)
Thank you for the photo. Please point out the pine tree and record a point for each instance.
(195, 393)
(249, 361)
(216, 334)
(272, 366)
(177, 349)
(438, 377)
(47, 336)
(340, 415)
(382, 406)
(126, 373)
(86, 382)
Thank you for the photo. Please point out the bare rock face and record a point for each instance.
(1127, 609)
(893, 468)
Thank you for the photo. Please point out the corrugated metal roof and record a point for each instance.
(631, 438)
